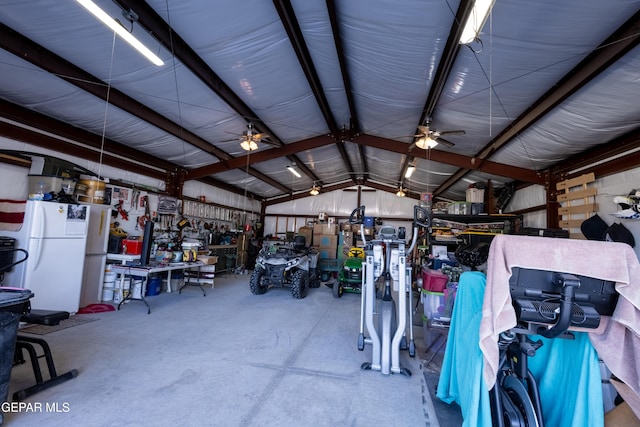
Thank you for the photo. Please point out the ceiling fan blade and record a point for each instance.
(445, 142)
(453, 132)
(271, 143)
(424, 129)
(406, 136)
(234, 139)
(412, 146)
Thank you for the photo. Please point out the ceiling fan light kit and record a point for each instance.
(315, 190)
(400, 192)
(249, 145)
(426, 142)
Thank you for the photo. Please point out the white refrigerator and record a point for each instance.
(96, 254)
(55, 236)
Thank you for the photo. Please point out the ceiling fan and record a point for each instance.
(429, 138)
(250, 138)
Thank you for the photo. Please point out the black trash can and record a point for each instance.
(13, 304)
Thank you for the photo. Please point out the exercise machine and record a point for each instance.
(385, 263)
(547, 304)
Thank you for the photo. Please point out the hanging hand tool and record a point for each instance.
(147, 213)
(134, 199)
(121, 211)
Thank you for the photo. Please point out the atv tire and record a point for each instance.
(256, 282)
(314, 278)
(299, 284)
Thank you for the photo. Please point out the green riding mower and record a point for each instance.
(350, 275)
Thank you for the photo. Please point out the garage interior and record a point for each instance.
(279, 118)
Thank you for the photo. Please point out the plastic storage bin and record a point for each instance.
(434, 281)
(13, 304)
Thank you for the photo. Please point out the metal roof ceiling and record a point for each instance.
(338, 85)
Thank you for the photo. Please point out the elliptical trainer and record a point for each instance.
(389, 337)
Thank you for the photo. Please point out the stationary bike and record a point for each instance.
(385, 259)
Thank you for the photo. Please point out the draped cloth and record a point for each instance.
(12, 214)
(617, 341)
(567, 372)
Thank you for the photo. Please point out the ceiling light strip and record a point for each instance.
(476, 20)
(293, 171)
(121, 31)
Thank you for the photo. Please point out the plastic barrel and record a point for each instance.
(13, 303)
(108, 285)
(154, 285)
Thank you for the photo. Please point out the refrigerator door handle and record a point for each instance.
(38, 252)
(41, 225)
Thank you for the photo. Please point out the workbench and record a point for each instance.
(143, 272)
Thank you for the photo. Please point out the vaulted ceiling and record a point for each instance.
(340, 87)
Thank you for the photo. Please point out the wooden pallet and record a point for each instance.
(578, 202)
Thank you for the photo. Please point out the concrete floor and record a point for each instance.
(228, 359)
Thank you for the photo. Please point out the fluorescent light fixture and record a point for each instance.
(400, 192)
(249, 145)
(293, 171)
(120, 30)
(426, 142)
(409, 171)
(476, 20)
(315, 190)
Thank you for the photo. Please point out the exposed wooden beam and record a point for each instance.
(37, 120)
(608, 52)
(87, 144)
(172, 41)
(513, 172)
(449, 55)
(37, 55)
(283, 199)
(296, 38)
(261, 156)
(52, 143)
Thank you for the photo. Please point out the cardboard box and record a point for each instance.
(325, 229)
(307, 232)
(206, 259)
(329, 241)
(345, 238)
(327, 253)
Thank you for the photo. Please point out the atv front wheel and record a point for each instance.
(299, 284)
(256, 282)
(314, 278)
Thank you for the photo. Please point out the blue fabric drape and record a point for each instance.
(567, 371)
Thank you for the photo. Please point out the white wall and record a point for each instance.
(533, 195)
(14, 184)
(619, 184)
(341, 203)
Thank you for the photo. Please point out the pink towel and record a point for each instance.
(618, 343)
(12, 214)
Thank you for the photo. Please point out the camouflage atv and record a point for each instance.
(289, 264)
